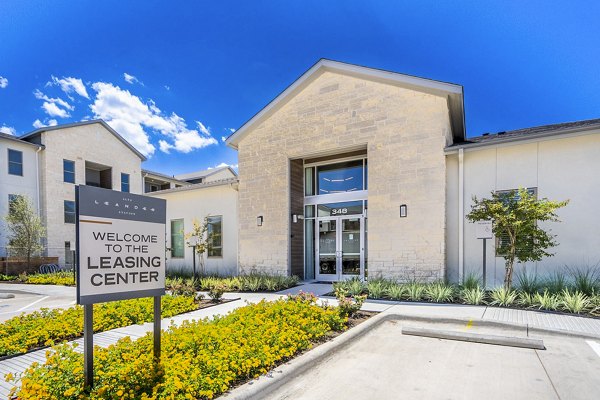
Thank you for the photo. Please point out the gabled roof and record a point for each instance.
(154, 174)
(534, 132)
(16, 139)
(196, 186)
(38, 132)
(452, 92)
(204, 173)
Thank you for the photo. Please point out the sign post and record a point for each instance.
(483, 230)
(120, 255)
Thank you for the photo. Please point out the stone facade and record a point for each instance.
(92, 143)
(404, 131)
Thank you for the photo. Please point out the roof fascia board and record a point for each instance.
(196, 186)
(18, 140)
(534, 137)
(422, 84)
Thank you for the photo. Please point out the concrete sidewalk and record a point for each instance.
(521, 318)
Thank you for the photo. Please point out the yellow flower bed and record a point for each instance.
(56, 278)
(46, 327)
(200, 359)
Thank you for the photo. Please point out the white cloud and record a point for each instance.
(131, 79)
(234, 166)
(39, 124)
(69, 85)
(3, 82)
(202, 128)
(223, 138)
(54, 111)
(167, 87)
(8, 130)
(231, 130)
(41, 96)
(129, 115)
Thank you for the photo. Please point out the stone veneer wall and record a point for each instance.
(405, 132)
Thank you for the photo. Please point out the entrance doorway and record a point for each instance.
(340, 248)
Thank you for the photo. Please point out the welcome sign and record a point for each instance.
(121, 245)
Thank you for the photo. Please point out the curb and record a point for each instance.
(260, 387)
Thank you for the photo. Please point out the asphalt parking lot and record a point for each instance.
(28, 298)
(385, 364)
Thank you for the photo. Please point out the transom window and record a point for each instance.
(341, 177)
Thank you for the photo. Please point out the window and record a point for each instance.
(68, 171)
(15, 162)
(215, 236)
(503, 241)
(177, 242)
(125, 183)
(69, 212)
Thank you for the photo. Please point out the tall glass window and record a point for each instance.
(15, 162)
(215, 236)
(177, 241)
(309, 181)
(340, 177)
(68, 171)
(125, 183)
(69, 212)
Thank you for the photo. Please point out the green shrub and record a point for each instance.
(415, 291)
(216, 291)
(575, 302)
(526, 300)
(376, 288)
(502, 297)
(555, 283)
(200, 359)
(528, 282)
(65, 278)
(439, 292)
(547, 301)
(586, 280)
(45, 327)
(355, 287)
(395, 291)
(349, 305)
(474, 296)
(182, 287)
(7, 277)
(471, 281)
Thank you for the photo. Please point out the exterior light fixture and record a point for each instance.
(259, 220)
(403, 211)
(296, 217)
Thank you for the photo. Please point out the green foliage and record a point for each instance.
(555, 283)
(526, 299)
(200, 359)
(355, 287)
(439, 292)
(216, 292)
(547, 301)
(471, 281)
(7, 277)
(24, 228)
(415, 291)
(575, 302)
(515, 215)
(395, 291)
(251, 282)
(183, 286)
(377, 288)
(47, 326)
(474, 296)
(348, 305)
(503, 297)
(586, 280)
(528, 282)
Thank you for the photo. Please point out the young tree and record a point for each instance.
(198, 237)
(515, 215)
(25, 229)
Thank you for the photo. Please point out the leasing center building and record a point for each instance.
(353, 171)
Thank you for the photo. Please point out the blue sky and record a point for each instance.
(195, 70)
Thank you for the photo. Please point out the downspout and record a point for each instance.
(461, 215)
(37, 179)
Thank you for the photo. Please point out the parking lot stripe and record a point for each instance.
(29, 305)
(595, 346)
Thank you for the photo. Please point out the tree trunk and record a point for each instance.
(508, 276)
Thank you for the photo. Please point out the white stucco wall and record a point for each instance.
(566, 167)
(225, 173)
(25, 185)
(197, 204)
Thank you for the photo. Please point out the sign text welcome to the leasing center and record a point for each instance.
(121, 240)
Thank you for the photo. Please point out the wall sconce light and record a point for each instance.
(259, 220)
(296, 217)
(403, 211)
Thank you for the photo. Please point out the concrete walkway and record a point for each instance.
(522, 318)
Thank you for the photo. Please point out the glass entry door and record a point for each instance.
(340, 248)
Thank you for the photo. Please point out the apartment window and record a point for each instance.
(503, 241)
(215, 236)
(177, 241)
(125, 183)
(69, 212)
(68, 171)
(15, 162)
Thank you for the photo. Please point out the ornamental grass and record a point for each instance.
(200, 359)
(48, 326)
